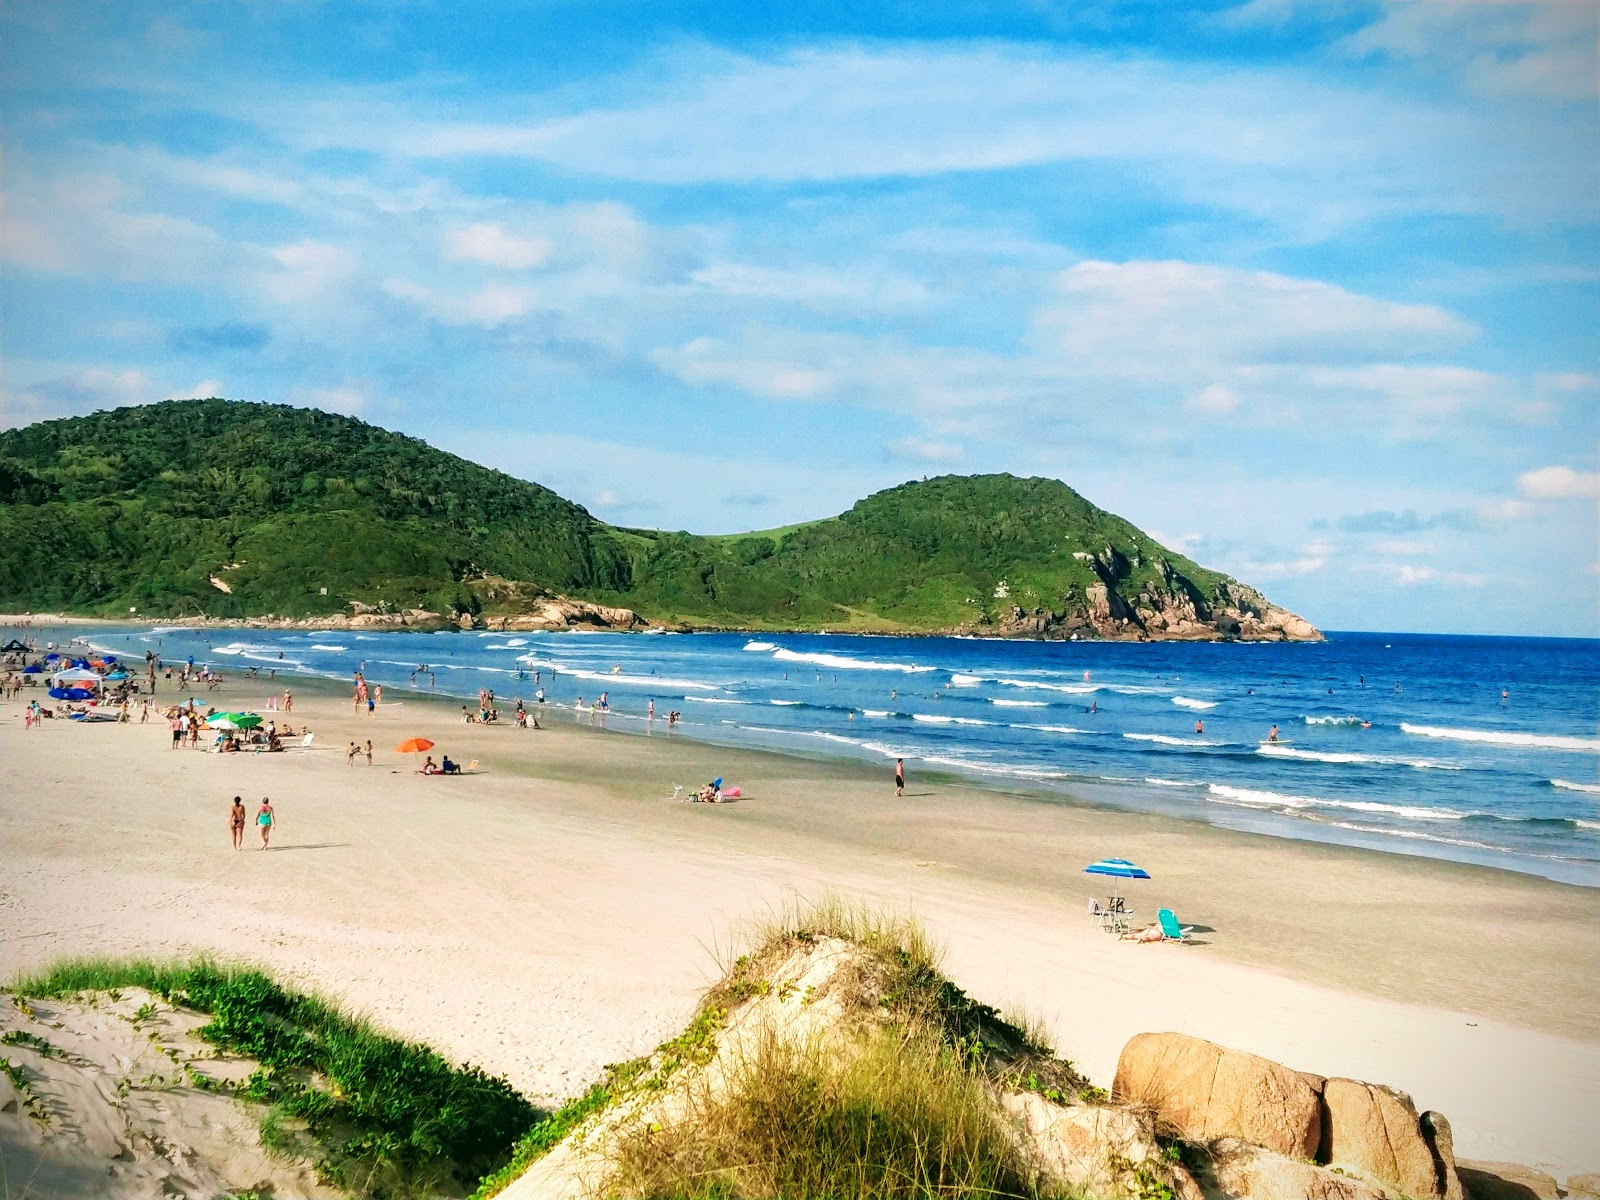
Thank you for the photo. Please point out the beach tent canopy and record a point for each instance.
(14, 647)
(1117, 868)
(76, 675)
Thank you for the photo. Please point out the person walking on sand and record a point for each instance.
(236, 816)
(288, 700)
(350, 755)
(899, 777)
(266, 818)
(377, 693)
(369, 752)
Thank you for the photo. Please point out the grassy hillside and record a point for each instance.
(141, 506)
(300, 512)
(924, 555)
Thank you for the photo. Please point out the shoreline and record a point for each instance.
(557, 911)
(1082, 792)
(430, 622)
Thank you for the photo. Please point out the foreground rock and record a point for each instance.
(110, 1099)
(1204, 1091)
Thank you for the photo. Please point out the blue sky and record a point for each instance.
(1309, 291)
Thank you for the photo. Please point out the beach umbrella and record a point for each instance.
(1117, 868)
(51, 657)
(61, 693)
(233, 721)
(414, 746)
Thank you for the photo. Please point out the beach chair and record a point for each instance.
(1098, 915)
(472, 768)
(1171, 931)
(305, 742)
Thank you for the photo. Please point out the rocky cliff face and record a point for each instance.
(1165, 606)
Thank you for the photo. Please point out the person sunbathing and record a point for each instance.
(429, 767)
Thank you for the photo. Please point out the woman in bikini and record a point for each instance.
(266, 818)
(236, 817)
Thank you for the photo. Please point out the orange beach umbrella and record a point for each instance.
(414, 746)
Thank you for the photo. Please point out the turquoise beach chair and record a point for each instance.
(1170, 929)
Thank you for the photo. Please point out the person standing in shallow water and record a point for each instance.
(236, 817)
(266, 818)
(899, 777)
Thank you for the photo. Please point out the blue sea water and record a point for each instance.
(1398, 742)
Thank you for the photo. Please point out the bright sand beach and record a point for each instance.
(557, 911)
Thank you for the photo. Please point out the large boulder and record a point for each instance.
(1376, 1130)
(1200, 1091)
(1243, 1172)
(1584, 1187)
(1506, 1181)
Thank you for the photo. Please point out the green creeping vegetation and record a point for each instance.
(380, 1117)
(21, 1037)
(300, 512)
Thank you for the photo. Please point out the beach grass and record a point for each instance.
(379, 1116)
(905, 1115)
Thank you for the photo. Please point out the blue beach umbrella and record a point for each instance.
(1117, 868)
(117, 675)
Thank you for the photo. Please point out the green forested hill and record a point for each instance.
(141, 506)
(301, 512)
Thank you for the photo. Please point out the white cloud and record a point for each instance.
(91, 389)
(1501, 512)
(487, 242)
(347, 398)
(1559, 483)
(1152, 314)
(1413, 575)
(1397, 548)
(1215, 400)
(921, 450)
(308, 270)
(1500, 47)
(817, 287)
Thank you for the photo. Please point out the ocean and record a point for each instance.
(1473, 749)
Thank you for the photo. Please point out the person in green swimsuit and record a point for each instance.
(266, 818)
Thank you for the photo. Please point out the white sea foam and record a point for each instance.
(1020, 703)
(1542, 741)
(786, 703)
(516, 641)
(658, 682)
(320, 646)
(840, 663)
(964, 681)
(1256, 798)
(984, 768)
(1171, 783)
(760, 646)
(711, 700)
(875, 712)
(1418, 835)
(933, 719)
(1163, 740)
(1186, 702)
(1345, 720)
(1582, 824)
(1051, 728)
(1337, 756)
(1568, 785)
